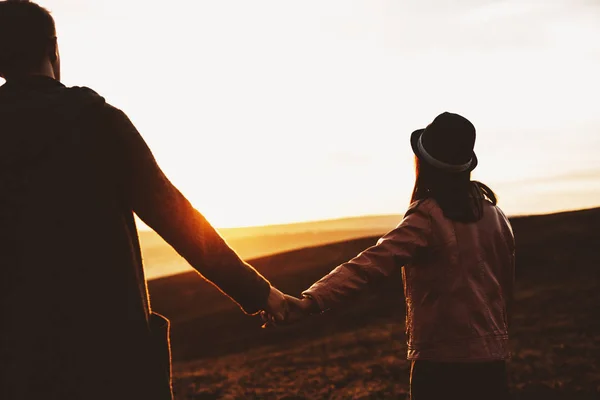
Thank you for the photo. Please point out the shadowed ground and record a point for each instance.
(360, 352)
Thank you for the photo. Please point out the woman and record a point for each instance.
(456, 248)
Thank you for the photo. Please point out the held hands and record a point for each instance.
(284, 309)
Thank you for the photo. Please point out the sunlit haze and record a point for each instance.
(279, 111)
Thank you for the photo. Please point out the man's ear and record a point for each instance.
(53, 49)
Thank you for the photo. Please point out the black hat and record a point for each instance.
(447, 143)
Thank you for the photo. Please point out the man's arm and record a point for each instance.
(162, 206)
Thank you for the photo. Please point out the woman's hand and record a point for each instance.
(297, 309)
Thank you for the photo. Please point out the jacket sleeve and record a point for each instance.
(389, 255)
(508, 283)
(162, 206)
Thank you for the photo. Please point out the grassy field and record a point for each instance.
(359, 353)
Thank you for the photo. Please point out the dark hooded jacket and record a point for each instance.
(75, 317)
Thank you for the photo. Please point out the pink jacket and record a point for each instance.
(458, 282)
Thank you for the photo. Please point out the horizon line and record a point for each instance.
(351, 217)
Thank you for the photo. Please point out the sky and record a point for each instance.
(265, 112)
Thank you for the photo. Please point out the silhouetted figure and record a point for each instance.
(456, 250)
(75, 317)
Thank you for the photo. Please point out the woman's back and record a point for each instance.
(456, 251)
(458, 287)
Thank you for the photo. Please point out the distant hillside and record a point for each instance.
(161, 260)
(338, 224)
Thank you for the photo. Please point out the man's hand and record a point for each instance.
(296, 309)
(277, 306)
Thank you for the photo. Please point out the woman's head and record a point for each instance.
(444, 159)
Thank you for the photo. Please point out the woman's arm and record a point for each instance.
(389, 255)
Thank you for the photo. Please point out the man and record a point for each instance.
(76, 321)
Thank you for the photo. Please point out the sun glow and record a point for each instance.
(267, 112)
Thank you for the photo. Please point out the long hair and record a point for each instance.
(459, 198)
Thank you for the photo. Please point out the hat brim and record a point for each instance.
(414, 140)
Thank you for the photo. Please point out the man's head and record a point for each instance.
(27, 40)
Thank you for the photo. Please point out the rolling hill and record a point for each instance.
(161, 260)
(359, 352)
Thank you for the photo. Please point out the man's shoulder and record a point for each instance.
(84, 91)
(97, 104)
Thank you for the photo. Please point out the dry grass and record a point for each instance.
(551, 360)
(359, 353)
